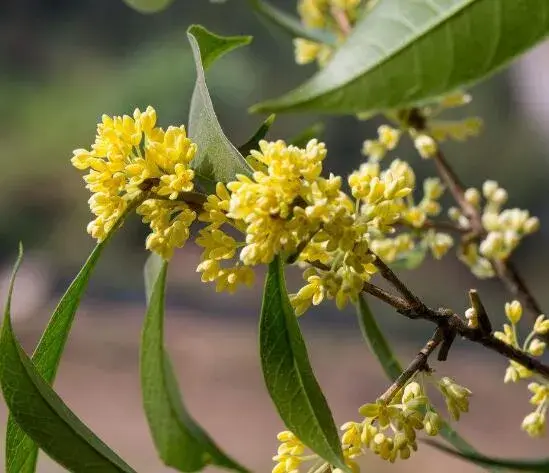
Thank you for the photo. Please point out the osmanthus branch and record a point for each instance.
(419, 363)
(506, 271)
(450, 323)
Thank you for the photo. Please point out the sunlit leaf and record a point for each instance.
(288, 374)
(42, 415)
(216, 160)
(179, 440)
(21, 451)
(406, 51)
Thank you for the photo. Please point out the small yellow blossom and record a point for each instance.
(536, 347)
(513, 311)
(472, 317)
(425, 145)
(534, 424)
(131, 156)
(456, 397)
(541, 325)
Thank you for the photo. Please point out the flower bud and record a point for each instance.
(432, 423)
(513, 311)
(541, 325)
(426, 146)
(488, 189)
(536, 347)
(472, 196)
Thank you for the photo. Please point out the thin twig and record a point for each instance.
(505, 270)
(419, 363)
(342, 20)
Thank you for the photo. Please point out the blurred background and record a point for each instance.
(64, 63)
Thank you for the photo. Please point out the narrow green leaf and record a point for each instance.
(21, 451)
(314, 131)
(42, 415)
(253, 142)
(406, 51)
(179, 440)
(288, 374)
(216, 160)
(148, 6)
(381, 349)
(290, 24)
(540, 465)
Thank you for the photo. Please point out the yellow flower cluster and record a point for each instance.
(131, 156)
(321, 14)
(388, 429)
(534, 423)
(505, 228)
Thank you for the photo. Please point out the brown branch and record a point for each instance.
(506, 271)
(451, 324)
(342, 20)
(419, 363)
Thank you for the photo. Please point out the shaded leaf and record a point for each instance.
(216, 160)
(540, 465)
(381, 349)
(148, 6)
(179, 440)
(21, 451)
(290, 24)
(42, 415)
(316, 130)
(407, 51)
(410, 259)
(253, 142)
(288, 374)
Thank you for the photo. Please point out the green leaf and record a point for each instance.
(288, 374)
(381, 349)
(541, 465)
(410, 259)
(40, 412)
(180, 441)
(407, 51)
(148, 6)
(290, 24)
(216, 160)
(253, 142)
(21, 451)
(314, 131)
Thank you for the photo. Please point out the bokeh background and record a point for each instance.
(64, 63)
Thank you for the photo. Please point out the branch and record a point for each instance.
(506, 271)
(419, 363)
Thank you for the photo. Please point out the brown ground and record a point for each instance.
(220, 377)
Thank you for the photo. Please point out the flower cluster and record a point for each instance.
(324, 15)
(534, 423)
(131, 157)
(388, 429)
(504, 228)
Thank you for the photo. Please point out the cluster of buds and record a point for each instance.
(534, 423)
(505, 228)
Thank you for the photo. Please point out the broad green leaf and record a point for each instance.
(540, 465)
(216, 160)
(382, 351)
(288, 374)
(21, 451)
(314, 131)
(410, 259)
(180, 441)
(290, 23)
(42, 415)
(148, 6)
(407, 51)
(253, 142)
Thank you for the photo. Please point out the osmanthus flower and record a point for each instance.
(505, 228)
(131, 159)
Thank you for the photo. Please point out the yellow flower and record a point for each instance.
(425, 145)
(534, 424)
(130, 156)
(306, 51)
(513, 311)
